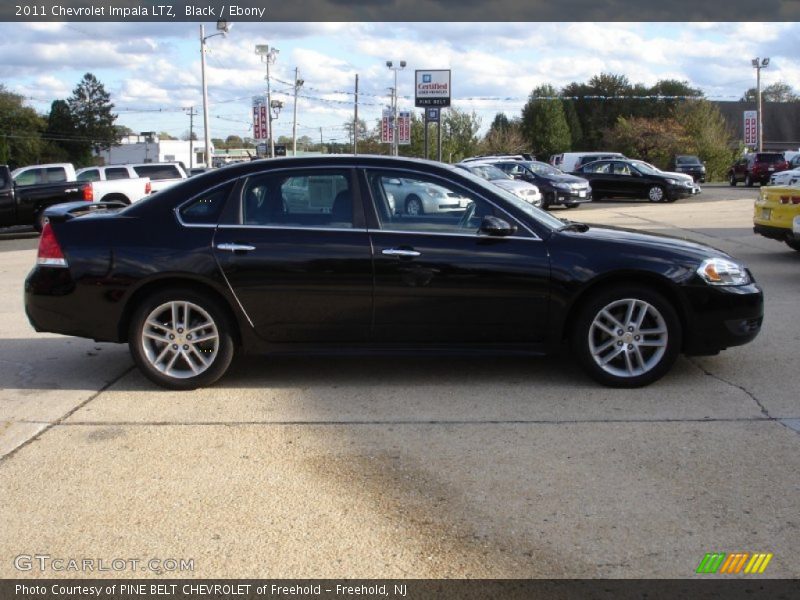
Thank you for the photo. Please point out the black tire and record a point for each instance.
(732, 180)
(202, 309)
(656, 193)
(793, 244)
(117, 198)
(573, 205)
(414, 205)
(748, 181)
(588, 339)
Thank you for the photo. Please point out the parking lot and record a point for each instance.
(411, 467)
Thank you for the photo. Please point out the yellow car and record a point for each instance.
(777, 214)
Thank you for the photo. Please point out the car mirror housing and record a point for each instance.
(495, 227)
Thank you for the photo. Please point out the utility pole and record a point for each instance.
(222, 29)
(355, 122)
(191, 114)
(297, 85)
(268, 55)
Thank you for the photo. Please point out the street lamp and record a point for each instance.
(222, 29)
(395, 136)
(759, 64)
(268, 56)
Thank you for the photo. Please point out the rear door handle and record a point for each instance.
(400, 252)
(235, 247)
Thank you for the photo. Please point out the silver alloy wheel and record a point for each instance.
(413, 206)
(656, 194)
(180, 339)
(628, 337)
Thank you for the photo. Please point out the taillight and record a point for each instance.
(790, 199)
(50, 253)
(148, 188)
(88, 192)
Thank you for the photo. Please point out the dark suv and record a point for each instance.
(690, 165)
(756, 168)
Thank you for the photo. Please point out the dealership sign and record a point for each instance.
(260, 120)
(404, 127)
(750, 128)
(387, 129)
(432, 88)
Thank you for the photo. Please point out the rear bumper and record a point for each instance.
(722, 317)
(776, 233)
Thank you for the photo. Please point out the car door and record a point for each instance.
(438, 280)
(626, 180)
(297, 256)
(601, 177)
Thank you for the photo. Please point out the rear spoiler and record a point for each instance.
(58, 213)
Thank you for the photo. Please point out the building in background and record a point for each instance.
(149, 148)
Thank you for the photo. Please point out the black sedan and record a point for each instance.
(556, 186)
(306, 254)
(633, 179)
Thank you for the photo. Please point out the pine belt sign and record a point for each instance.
(432, 88)
(750, 127)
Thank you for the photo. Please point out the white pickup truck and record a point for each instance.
(162, 175)
(110, 183)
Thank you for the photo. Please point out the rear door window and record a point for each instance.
(117, 173)
(56, 174)
(157, 172)
(89, 175)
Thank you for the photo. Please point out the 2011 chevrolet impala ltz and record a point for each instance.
(314, 253)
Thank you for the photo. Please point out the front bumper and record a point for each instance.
(676, 192)
(720, 317)
(561, 196)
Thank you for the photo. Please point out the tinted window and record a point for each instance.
(117, 173)
(30, 177)
(769, 157)
(419, 203)
(597, 167)
(687, 160)
(56, 174)
(90, 175)
(299, 199)
(158, 172)
(206, 208)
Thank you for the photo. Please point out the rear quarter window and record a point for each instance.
(206, 208)
(117, 173)
(158, 172)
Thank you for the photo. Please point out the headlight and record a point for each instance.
(719, 271)
(672, 181)
(434, 193)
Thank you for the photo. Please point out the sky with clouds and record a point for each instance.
(153, 70)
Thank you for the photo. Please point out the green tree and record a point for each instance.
(710, 136)
(65, 142)
(459, 134)
(653, 140)
(91, 107)
(20, 131)
(233, 141)
(163, 135)
(504, 138)
(544, 125)
(780, 91)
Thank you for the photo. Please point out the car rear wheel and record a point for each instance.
(181, 339)
(414, 206)
(573, 205)
(627, 336)
(793, 244)
(656, 194)
(732, 180)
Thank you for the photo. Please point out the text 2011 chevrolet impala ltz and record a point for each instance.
(315, 253)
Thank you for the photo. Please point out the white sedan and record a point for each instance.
(791, 178)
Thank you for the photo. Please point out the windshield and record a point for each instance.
(687, 160)
(529, 209)
(541, 168)
(488, 172)
(646, 168)
(769, 158)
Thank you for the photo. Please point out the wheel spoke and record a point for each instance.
(156, 336)
(153, 323)
(605, 346)
(628, 363)
(611, 356)
(608, 316)
(198, 354)
(639, 358)
(629, 313)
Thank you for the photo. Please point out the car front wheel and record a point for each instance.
(414, 206)
(732, 180)
(656, 194)
(748, 181)
(181, 339)
(627, 336)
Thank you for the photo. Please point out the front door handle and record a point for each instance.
(400, 252)
(235, 247)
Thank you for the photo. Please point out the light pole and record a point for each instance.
(759, 64)
(395, 136)
(268, 56)
(298, 83)
(222, 29)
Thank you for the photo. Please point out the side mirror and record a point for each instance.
(494, 227)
